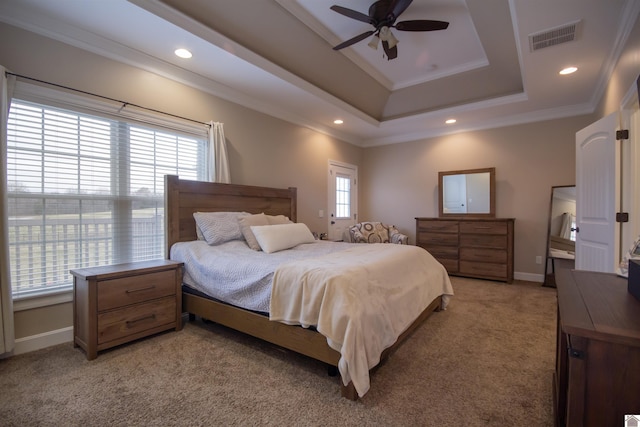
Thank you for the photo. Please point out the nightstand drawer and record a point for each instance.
(128, 290)
(116, 324)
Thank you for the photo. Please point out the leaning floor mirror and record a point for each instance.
(561, 232)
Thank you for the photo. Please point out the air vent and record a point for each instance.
(554, 36)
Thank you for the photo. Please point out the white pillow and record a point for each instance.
(273, 238)
(219, 227)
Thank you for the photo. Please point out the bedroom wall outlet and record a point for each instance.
(538, 259)
(320, 213)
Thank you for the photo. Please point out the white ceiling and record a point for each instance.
(276, 56)
(423, 56)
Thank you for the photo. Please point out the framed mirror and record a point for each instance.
(467, 193)
(561, 231)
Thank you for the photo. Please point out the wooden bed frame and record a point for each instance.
(183, 198)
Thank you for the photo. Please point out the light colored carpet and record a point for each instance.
(485, 361)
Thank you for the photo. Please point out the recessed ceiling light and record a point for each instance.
(338, 121)
(568, 70)
(183, 53)
(450, 121)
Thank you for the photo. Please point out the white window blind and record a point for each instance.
(86, 190)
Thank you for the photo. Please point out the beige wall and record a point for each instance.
(400, 182)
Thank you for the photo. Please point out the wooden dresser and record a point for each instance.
(597, 376)
(478, 247)
(115, 304)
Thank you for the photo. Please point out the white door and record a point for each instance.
(597, 195)
(343, 196)
(454, 190)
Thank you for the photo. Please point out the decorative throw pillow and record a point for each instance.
(246, 222)
(369, 232)
(273, 238)
(219, 227)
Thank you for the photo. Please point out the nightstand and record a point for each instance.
(115, 304)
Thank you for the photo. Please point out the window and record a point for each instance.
(87, 190)
(343, 197)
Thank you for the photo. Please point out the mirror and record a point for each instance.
(561, 232)
(468, 193)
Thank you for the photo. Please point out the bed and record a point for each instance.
(184, 198)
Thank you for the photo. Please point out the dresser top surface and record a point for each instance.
(598, 306)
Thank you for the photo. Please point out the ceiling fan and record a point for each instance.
(382, 15)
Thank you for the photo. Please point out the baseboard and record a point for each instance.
(44, 340)
(529, 277)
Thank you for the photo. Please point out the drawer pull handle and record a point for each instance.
(131, 323)
(479, 227)
(130, 291)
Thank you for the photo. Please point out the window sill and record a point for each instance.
(43, 299)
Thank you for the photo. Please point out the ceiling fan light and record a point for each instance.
(375, 40)
(387, 36)
(392, 40)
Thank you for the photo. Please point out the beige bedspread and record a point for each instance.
(361, 299)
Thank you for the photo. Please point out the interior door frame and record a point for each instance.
(629, 162)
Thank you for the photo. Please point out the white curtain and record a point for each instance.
(218, 161)
(6, 301)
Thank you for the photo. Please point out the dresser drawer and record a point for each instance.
(438, 226)
(484, 227)
(128, 290)
(498, 271)
(483, 255)
(116, 324)
(450, 264)
(483, 241)
(437, 239)
(443, 251)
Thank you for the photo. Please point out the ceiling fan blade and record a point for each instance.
(354, 40)
(392, 52)
(351, 13)
(421, 25)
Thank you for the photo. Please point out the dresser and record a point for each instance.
(597, 376)
(116, 304)
(474, 247)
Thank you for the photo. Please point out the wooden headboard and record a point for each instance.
(184, 197)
